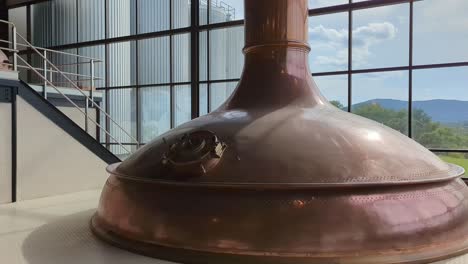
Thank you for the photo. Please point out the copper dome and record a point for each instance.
(279, 175)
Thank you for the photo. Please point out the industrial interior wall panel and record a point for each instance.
(65, 21)
(54, 23)
(226, 58)
(91, 20)
(181, 58)
(154, 60)
(78, 117)
(18, 16)
(153, 16)
(122, 18)
(180, 13)
(122, 58)
(49, 160)
(42, 21)
(5, 152)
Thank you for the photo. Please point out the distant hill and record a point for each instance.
(443, 111)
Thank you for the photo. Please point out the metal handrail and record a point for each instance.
(49, 70)
(77, 88)
(54, 51)
(54, 69)
(73, 103)
(75, 80)
(7, 22)
(8, 49)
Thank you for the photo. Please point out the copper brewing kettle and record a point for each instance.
(279, 175)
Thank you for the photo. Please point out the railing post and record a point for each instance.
(15, 59)
(91, 95)
(44, 87)
(91, 69)
(86, 114)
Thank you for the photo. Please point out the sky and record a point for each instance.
(381, 39)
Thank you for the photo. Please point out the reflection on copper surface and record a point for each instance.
(279, 175)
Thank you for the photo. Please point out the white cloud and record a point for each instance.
(364, 37)
(373, 33)
(329, 36)
(367, 36)
(340, 59)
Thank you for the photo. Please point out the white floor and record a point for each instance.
(55, 230)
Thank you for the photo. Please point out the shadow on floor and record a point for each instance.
(70, 241)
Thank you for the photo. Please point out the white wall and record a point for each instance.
(50, 161)
(78, 117)
(5, 152)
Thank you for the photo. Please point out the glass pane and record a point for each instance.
(91, 22)
(219, 92)
(335, 89)
(122, 109)
(381, 37)
(65, 22)
(182, 104)
(203, 49)
(382, 97)
(18, 16)
(323, 3)
(155, 112)
(122, 63)
(153, 15)
(440, 31)
(54, 23)
(440, 107)
(41, 24)
(181, 13)
(460, 159)
(226, 10)
(226, 57)
(153, 58)
(67, 63)
(36, 61)
(122, 152)
(181, 57)
(23, 75)
(202, 12)
(203, 99)
(84, 68)
(328, 39)
(122, 18)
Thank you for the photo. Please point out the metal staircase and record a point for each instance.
(62, 78)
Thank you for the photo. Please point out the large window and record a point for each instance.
(380, 37)
(401, 63)
(382, 97)
(440, 107)
(328, 40)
